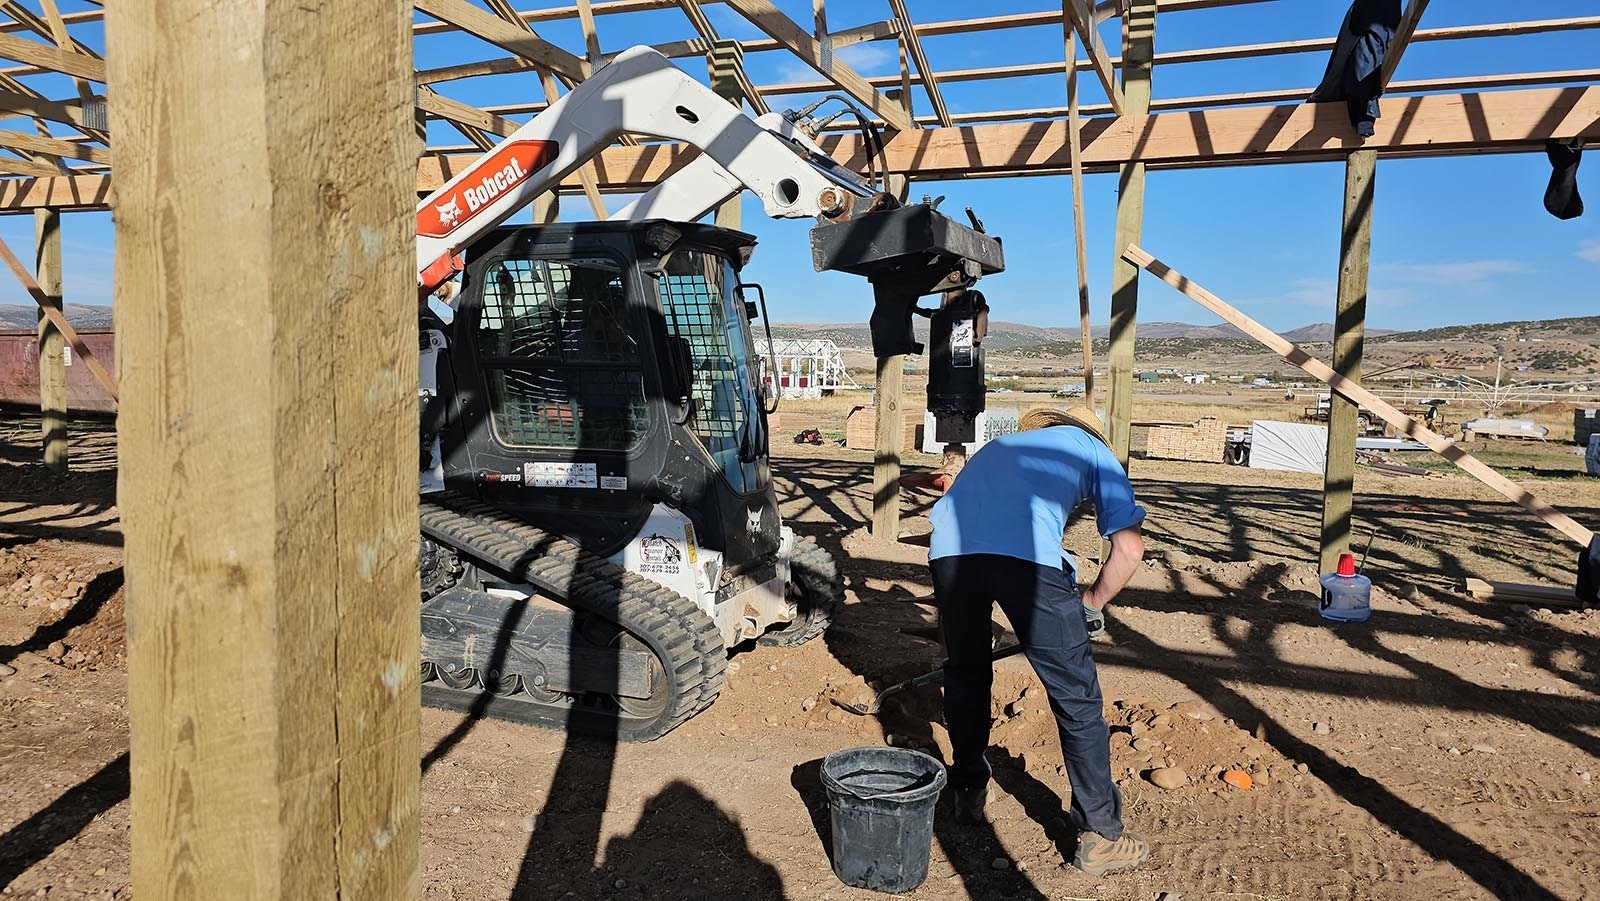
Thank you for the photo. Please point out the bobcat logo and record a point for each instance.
(752, 521)
(449, 213)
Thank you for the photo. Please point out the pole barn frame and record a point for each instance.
(55, 158)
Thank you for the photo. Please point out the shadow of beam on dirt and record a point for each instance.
(99, 590)
(32, 840)
(1493, 873)
(1562, 718)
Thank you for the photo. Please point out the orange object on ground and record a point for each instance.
(1238, 779)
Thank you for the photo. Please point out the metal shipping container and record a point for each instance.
(19, 371)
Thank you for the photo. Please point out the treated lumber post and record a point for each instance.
(1349, 332)
(268, 444)
(886, 448)
(726, 62)
(1138, 49)
(52, 344)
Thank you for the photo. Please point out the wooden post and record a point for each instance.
(725, 59)
(1138, 50)
(52, 344)
(268, 443)
(886, 448)
(547, 208)
(1349, 331)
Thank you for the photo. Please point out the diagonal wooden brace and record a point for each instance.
(1353, 392)
(58, 320)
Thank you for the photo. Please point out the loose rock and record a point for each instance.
(7, 669)
(1160, 721)
(1321, 728)
(999, 863)
(1147, 743)
(807, 704)
(55, 651)
(1485, 749)
(1301, 768)
(1169, 777)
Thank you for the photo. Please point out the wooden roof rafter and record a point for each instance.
(913, 46)
(1081, 15)
(1402, 39)
(783, 29)
(708, 33)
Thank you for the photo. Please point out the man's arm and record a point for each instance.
(1127, 549)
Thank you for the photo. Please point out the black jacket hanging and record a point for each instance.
(1561, 197)
(1355, 69)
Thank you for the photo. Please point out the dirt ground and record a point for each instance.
(1445, 749)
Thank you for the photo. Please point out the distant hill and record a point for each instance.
(1582, 328)
(17, 316)
(1012, 336)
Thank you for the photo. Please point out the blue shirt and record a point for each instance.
(1015, 494)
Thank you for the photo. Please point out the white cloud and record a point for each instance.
(1460, 273)
(1589, 250)
(869, 55)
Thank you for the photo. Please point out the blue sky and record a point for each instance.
(1455, 240)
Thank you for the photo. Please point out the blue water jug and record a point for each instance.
(1346, 597)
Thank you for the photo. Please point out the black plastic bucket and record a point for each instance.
(882, 801)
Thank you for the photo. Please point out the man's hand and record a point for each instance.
(1094, 619)
(1127, 549)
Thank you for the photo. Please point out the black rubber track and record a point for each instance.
(684, 639)
(814, 574)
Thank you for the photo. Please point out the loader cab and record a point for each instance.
(597, 369)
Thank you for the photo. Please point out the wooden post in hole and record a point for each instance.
(1138, 43)
(1349, 331)
(268, 445)
(52, 344)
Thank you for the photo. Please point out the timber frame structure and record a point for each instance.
(61, 152)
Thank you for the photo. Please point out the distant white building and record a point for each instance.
(807, 368)
(1196, 378)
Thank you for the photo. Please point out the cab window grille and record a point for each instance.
(561, 366)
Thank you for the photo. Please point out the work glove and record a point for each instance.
(1095, 620)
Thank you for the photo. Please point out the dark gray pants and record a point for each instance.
(1047, 613)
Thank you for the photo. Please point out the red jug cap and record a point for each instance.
(1347, 564)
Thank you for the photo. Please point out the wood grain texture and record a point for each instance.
(1349, 341)
(1138, 48)
(52, 59)
(1295, 356)
(797, 40)
(888, 437)
(268, 447)
(516, 38)
(52, 344)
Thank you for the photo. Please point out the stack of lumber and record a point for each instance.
(861, 426)
(1202, 442)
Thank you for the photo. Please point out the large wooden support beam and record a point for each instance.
(726, 59)
(783, 29)
(1349, 338)
(268, 445)
(889, 433)
(52, 344)
(1294, 355)
(1138, 40)
(1441, 125)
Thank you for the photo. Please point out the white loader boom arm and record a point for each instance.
(642, 93)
